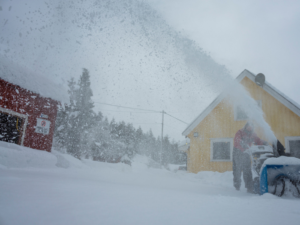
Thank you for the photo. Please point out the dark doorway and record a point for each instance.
(10, 128)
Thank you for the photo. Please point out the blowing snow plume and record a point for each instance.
(238, 96)
(134, 56)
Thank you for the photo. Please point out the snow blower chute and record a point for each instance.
(274, 171)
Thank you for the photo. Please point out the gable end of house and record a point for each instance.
(282, 98)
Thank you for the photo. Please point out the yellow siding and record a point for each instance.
(220, 123)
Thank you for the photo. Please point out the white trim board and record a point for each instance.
(19, 115)
(289, 103)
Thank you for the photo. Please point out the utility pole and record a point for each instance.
(162, 136)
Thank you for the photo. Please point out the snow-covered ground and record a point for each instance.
(53, 188)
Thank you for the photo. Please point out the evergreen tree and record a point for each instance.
(82, 132)
(84, 103)
(63, 133)
(73, 141)
(61, 127)
(138, 140)
(75, 120)
(83, 113)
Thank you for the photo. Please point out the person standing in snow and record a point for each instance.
(243, 139)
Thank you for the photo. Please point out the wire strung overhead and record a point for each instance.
(175, 118)
(148, 110)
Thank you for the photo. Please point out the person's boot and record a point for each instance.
(249, 190)
(237, 188)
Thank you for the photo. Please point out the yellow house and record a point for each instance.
(211, 134)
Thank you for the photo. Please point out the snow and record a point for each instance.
(98, 144)
(39, 187)
(15, 156)
(30, 80)
(282, 160)
(60, 128)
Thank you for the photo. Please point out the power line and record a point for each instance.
(149, 110)
(175, 118)
(147, 123)
(123, 111)
(128, 107)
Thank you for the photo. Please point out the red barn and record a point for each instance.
(28, 106)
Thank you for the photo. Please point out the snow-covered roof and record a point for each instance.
(289, 103)
(23, 77)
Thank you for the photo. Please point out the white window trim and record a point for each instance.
(259, 103)
(19, 115)
(287, 143)
(212, 140)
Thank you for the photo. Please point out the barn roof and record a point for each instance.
(23, 77)
(289, 103)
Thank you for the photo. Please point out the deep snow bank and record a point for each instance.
(16, 156)
(72, 191)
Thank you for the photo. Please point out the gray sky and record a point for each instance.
(138, 58)
(261, 36)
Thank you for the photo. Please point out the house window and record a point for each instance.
(221, 149)
(240, 114)
(292, 145)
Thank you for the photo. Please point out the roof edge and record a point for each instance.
(202, 115)
(282, 98)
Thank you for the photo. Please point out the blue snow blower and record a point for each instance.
(274, 171)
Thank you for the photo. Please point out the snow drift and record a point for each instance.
(39, 187)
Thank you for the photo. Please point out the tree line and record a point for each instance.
(84, 133)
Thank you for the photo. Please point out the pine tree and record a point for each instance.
(83, 132)
(73, 142)
(84, 115)
(138, 140)
(63, 126)
(75, 120)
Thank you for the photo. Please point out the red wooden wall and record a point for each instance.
(28, 103)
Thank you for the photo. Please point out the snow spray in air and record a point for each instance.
(132, 51)
(241, 98)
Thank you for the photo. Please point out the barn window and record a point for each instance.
(221, 149)
(240, 114)
(292, 145)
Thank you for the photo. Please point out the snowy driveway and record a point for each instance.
(101, 193)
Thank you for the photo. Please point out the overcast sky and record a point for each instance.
(137, 58)
(261, 36)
